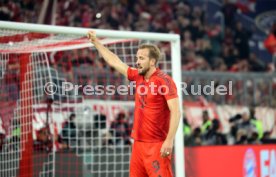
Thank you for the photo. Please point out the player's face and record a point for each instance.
(143, 61)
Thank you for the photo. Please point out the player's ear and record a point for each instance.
(153, 62)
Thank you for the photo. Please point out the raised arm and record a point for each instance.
(111, 59)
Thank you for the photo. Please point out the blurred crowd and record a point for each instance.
(204, 46)
(245, 128)
(73, 135)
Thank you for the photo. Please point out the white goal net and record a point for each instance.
(51, 123)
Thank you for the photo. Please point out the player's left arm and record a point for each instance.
(175, 115)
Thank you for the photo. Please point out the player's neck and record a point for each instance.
(149, 73)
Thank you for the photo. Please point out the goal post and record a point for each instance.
(60, 38)
(179, 139)
(25, 120)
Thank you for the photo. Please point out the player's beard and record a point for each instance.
(143, 71)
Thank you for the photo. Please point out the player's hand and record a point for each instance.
(166, 148)
(91, 35)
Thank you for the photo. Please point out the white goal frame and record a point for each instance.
(174, 40)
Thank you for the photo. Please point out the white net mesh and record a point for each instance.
(73, 133)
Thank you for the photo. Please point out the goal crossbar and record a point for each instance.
(83, 31)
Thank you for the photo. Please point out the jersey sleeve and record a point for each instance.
(169, 89)
(132, 74)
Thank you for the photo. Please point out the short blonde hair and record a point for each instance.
(154, 51)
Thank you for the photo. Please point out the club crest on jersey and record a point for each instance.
(156, 166)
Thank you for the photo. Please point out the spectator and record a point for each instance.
(44, 140)
(266, 139)
(214, 135)
(233, 126)
(253, 139)
(99, 121)
(99, 132)
(187, 43)
(5, 12)
(184, 24)
(246, 128)
(228, 56)
(256, 65)
(120, 130)
(2, 140)
(219, 65)
(214, 33)
(205, 50)
(197, 29)
(2, 135)
(69, 131)
(270, 41)
(59, 143)
(241, 41)
(16, 132)
(241, 137)
(206, 122)
(229, 10)
(198, 14)
(186, 127)
(195, 139)
(258, 125)
(245, 123)
(228, 38)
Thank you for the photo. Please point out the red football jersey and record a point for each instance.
(152, 114)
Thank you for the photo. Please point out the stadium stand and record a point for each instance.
(200, 37)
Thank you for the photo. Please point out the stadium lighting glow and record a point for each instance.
(98, 15)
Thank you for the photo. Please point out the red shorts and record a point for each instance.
(146, 161)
